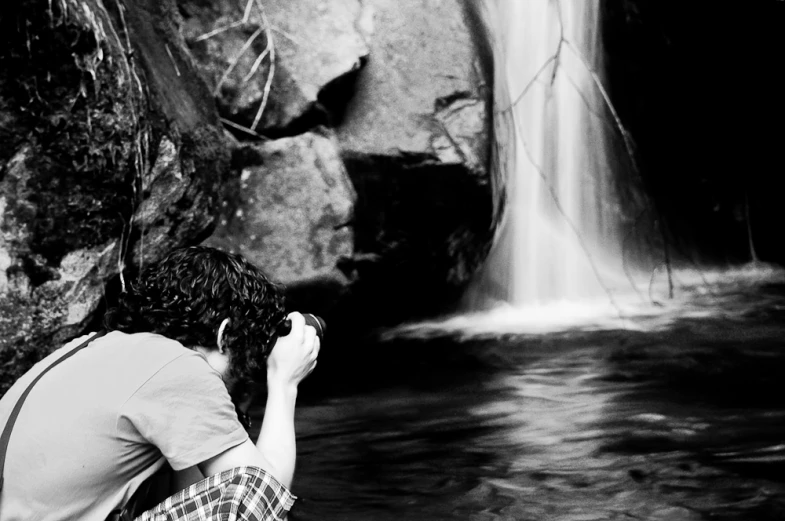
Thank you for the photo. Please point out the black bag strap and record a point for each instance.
(6, 436)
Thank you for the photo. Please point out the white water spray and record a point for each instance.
(556, 264)
(559, 238)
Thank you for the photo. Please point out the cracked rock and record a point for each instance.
(103, 137)
(315, 44)
(292, 208)
(422, 91)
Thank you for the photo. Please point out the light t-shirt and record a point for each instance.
(97, 425)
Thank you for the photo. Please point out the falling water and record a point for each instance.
(558, 238)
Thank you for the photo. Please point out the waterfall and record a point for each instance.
(558, 236)
(560, 160)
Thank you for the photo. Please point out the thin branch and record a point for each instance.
(628, 142)
(528, 86)
(569, 222)
(171, 58)
(651, 284)
(593, 111)
(243, 129)
(286, 35)
(218, 31)
(557, 54)
(619, 126)
(247, 12)
(554, 196)
(256, 64)
(455, 145)
(271, 73)
(553, 58)
(667, 252)
(611, 126)
(624, 266)
(753, 253)
(120, 257)
(236, 59)
(141, 146)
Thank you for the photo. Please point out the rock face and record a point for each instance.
(291, 213)
(415, 138)
(320, 42)
(107, 159)
(362, 163)
(291, 50)
(421, 91)
(401, 86)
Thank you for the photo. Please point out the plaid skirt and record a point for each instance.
(242, 493)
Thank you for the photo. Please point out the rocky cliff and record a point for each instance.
(111, 153)
(362, 151)
(341, 145)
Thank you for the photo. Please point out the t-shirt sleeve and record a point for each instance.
(185, 410)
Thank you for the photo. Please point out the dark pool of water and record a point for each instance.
(685, 423)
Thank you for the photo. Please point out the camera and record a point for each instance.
(312, 320)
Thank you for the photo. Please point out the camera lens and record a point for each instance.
(318, 323)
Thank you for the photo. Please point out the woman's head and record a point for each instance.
(188, 294)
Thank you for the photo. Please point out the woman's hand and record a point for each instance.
(294, 356)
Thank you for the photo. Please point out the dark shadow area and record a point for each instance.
(336, 95)
(421, 228)
(697, 86)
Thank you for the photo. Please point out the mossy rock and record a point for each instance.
(90, 98)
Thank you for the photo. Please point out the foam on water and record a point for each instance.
(697, 294)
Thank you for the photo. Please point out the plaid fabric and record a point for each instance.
(242, 493)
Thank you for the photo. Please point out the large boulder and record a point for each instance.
(422, 90)
(269, 63)
(404, 88)
(109, 156)
(415, 138)
(291, 212)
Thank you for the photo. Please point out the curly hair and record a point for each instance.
(187, 295)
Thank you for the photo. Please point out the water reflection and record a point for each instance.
(680, 421)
